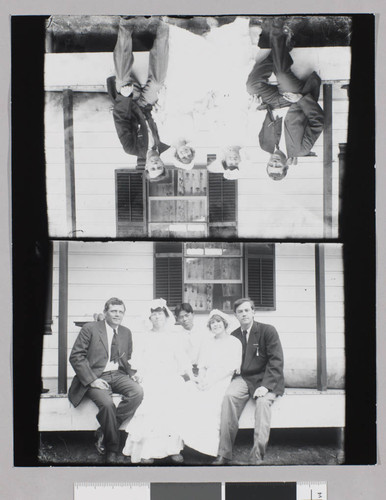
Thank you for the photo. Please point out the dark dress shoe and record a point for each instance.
(221, 461)
(177, 459)
(99, 445)
(111, 457)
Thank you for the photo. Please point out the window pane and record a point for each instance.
(213, 248)
(204, 297)
(212, 269)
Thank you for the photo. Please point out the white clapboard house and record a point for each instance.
(95, 190)
(298, 288)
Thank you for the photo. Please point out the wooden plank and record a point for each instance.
(298, 408)
(69, 161)
(320, 317)
(63, 314)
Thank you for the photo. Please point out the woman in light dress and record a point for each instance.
(204, 101)
(218, 362)
(161, 364)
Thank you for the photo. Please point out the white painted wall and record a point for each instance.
(98, 271)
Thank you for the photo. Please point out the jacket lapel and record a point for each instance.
(253, 344)
(103, 335)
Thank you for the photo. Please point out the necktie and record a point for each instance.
(244, 342)
(114, 355)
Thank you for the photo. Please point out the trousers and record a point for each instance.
(235, 399)
(279, 62)
(109, 416)
(158, 62)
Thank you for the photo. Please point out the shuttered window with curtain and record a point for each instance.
(258, 262)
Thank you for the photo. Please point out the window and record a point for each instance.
(185, 204)
(213, 275)
(130, 206)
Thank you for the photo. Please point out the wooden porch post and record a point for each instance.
(321, 367)
(327, 160)
(342, 168)
(48, 320)
(69, 160)
(63, 317)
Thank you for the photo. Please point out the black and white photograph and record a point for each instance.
(199, 127)
(166, 349)
(193, 246)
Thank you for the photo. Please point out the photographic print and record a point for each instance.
(214, 148)
(196, 127)
(166, 349)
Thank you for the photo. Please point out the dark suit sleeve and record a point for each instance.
(78, 357)
(315, 124)
(126, 125)
(275, 363)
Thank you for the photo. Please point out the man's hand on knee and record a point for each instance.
(260, 392)
(127, 90)
(292, 96)
(99, 383)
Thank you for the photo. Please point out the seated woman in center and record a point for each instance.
(162, 367)
(219, 360)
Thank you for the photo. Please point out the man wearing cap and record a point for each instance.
(100, 358)
(133, 103)
(261, 377)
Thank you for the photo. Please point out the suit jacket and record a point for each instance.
(130, 123)
(303, 123)
(263, 362)
(89, 356)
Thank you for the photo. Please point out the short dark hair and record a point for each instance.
(159, 177)
(276, 176)
(114, 301)
(183, 307)
(186, 160)
(238, 303)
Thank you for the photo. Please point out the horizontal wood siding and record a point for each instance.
(292, 207)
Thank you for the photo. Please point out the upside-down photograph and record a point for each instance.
(194, 353)
(200, 127)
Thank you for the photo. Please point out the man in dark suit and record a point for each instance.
(292, 103)
(261, 377)
(100, 358)
(133, 103)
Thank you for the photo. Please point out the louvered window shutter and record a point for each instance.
(260, 275)
(168, 272)
(222, 203)
(130, 203)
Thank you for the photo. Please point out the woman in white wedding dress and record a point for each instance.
(219, 360)
(161, 363)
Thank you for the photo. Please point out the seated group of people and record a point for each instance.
(213, 75)
(178, 388)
